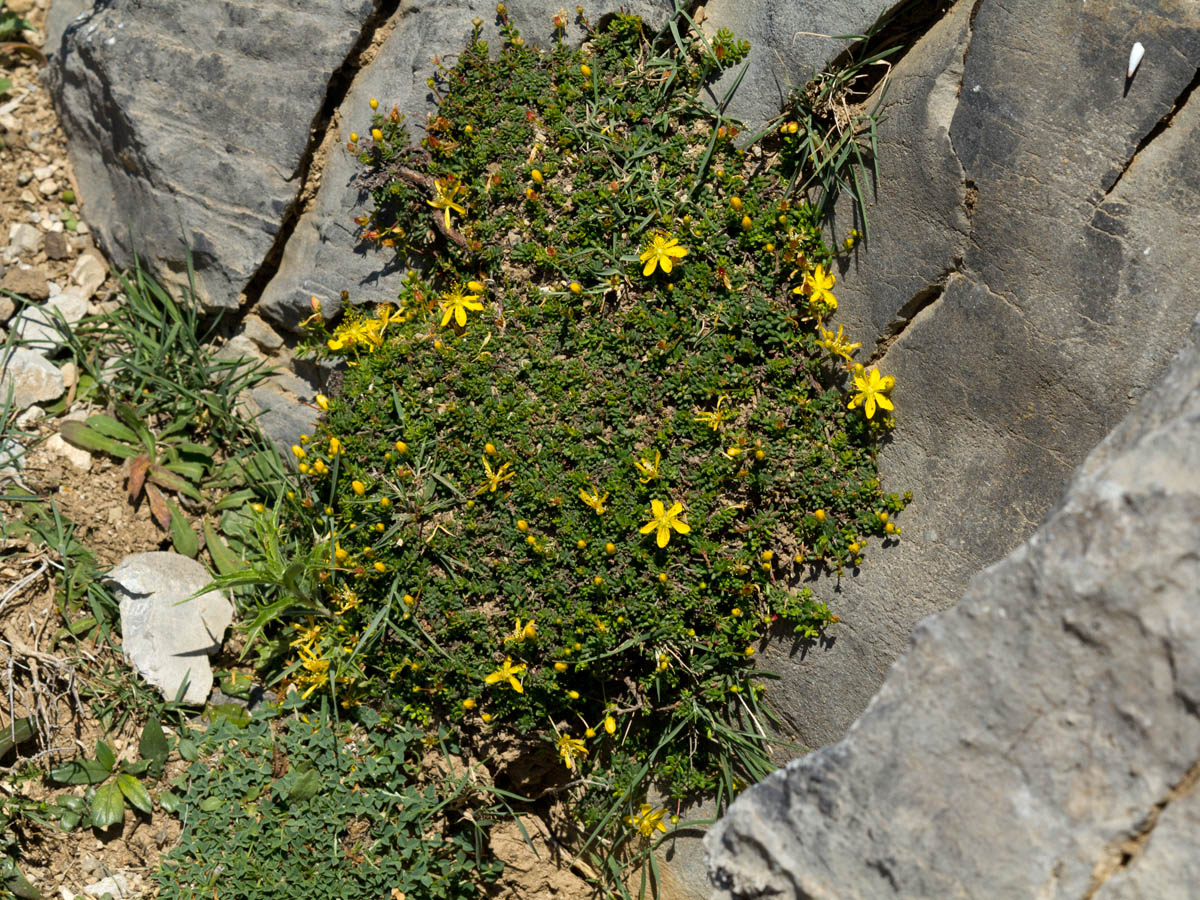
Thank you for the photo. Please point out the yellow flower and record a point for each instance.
(456, 304)
(358, 487)
(571, 749)
(376, 135)
(648, 819)
(494, 479)
(323, 402)
(445, 190)
(663, 520)
(837, 344)
(610, 724)
(298, 451)
(712, 419)
(661, 252)
(373, 103)
(521, 634)
(648, 469)
(594, 500)
(871, 391)
(817, 284)
(507, 672)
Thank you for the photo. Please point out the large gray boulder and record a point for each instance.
(1032, 268)
(1041, 738)
(188, 125)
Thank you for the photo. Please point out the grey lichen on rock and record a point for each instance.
(1036, 736)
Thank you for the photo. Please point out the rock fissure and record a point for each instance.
(919, 302)
(1118, 855)
(322, 137)
(1159, 127)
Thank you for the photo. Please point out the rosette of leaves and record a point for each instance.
(159, 465)
(111, 782)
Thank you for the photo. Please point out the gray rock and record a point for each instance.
(790, 42)
(89, 273)
(195, 117)
(7, 308)
(1026, 281)
(1038, 740)
(322, 257)
(26, 281)
(29, 377)
(283, 415)
(38, 326)
(167, 634)
(57, 246)
(261, 333)
(23, 239)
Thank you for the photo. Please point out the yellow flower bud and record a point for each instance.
(340, 554)
(476, 286)
(746, 223)
(487, 717)
(489, 448)
(380, 567)
(522, 525)
(469, 703)
(354, 137)
(536, 175)
(597, 581)
(890, 527)
(736, 612)
(580, 544)
(531, 541)
(401, 447)
(576, 287)
(589, 732)
(385, 503)
(735, 202)
(323, 402)
(410, 600)
(257, 507)
(358, 487)
(469, 129)
(610, 724)
(819, 515)
(560, 666)
(662, 577)
(574, 695)
(760, 454)
(298, 451)
(373, 103)
(610, 548)
(376, 135)
(586, 70)
(767, 556)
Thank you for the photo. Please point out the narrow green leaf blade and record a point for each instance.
(182, 536)
(79, 434)
(223, 558)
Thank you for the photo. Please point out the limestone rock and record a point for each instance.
(78, 457)
(38, 326)
(261, 333)
(1040, 738)
(322, 258)
(29, 376)
(23, 239)
(7, 308)
(166, 636)
(215, 142)
(57, 246)
(1026, 282)
(89, 273)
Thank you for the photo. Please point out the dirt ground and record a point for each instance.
(53, 680)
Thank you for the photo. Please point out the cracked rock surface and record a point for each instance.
(1040, 739)
(1030, 272)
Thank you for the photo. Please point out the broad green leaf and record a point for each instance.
(135, 793)
(138, 768)
(193, 471)
(305, 787)
(223, 558)
(160, 475)
(110, 427)
(81, 436)
(129, 416)
(108, 806)
(169, 801)
(209, 804)
(11, 878)
(71, 803)
(189, 449)
(153, 745)
(236, 714)
(105, 756)
(80, 771)
(15, 733)
(182, 536)
(187, 749)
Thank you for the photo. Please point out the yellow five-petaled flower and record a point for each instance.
(571, 749)
(661, 252)
(444, 192)
(818, 283)
(871, 391)
(712, 419)
(663, 520)
(648, 468)
(837, 344)
(648, 819)
(494, 479)
(521, 633)
(594, 499)
(456, 304)
(508, 672)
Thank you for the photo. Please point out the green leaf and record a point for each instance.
(135, 793)
(82, 436)
(153, 745)
(187, 749)
(10, 876)
(167, 479)
(110, 427)
(5, 84)
(182, 536)
(108, 806)
(169, 801)
(129, 416)
(138, 768)
(193, 471)
(80, 771)
(233, 501)
(105, 756)
(209, 804)
(17, 733)
(305, 787)
(223, 558)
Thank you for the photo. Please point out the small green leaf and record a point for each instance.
(187, 749)
(105, 756)
(223, 558)
(305, 787)
(138, 768)
(71, 803)
(169, 801)
(80, 771)
(209, 804)
(69, 820)
(135, 793)
(82, 436)
(108, 806)
(110, 427)
(182, 536)
(234, 501)
(235, 713)
(153, 745)
(16, 733)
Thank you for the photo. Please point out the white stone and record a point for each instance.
(168, 635)
(48, 188)
(24, 238)
(70, 374)
(41, 173)
(37, 325)
(27, 197)
(30, 376)
(116, 885)
(89, 273)
(31, 416)
(76, 456)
